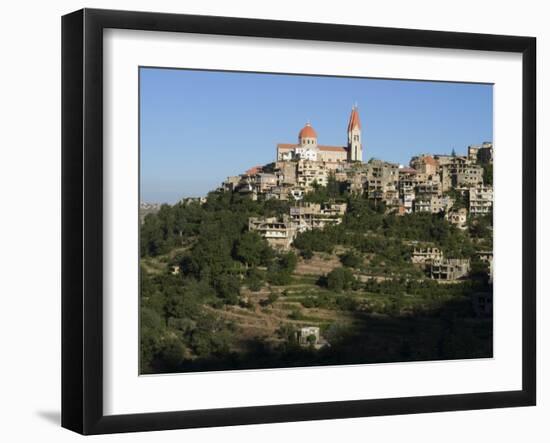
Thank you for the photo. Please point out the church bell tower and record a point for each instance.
(355, 148)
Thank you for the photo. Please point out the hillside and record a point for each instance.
(216, 296)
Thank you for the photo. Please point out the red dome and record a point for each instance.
(307, 132)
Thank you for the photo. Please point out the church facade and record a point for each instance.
(308, 148)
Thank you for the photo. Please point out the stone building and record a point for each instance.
(485, 256)
(247, 187)
(432, 203)
(423, 204)
(458, 217)
(374, 189)
(407, 185)
(429, 195)
(282, 193)
(231, 183)
(286, 173)
(265, 181)
(279, 233)
(385, 171)
(310, 172)
(428, 189)
(423, 178)
(407, 179)
(308, 336)
(342, 176)
(446, 178)
(446, 159)
(473, 151)
(467, 176)
(382, 181)
(481, 153)
(356, 183)
(391, 197)
(297, 193)
(425, 164)
(481, 200)
(460, 172)
(485, 154)
(408, 198)
(426, 256)
(308, 148)
(309, 216)
(449, 269)
(285, 193)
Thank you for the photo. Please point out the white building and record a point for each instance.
(481, 199)
(308, 148)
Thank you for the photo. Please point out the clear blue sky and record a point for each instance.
(198, 127)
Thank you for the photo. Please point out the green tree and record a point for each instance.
(279, 272)
(289, 261)
(254, 279)
(277, 275)
(340, 279)
(228, 288)
(311, 339)
(460, 199)
(479, 270)
(152, 240)
(250, 249)
(171, 354)
(151, 333)
(481, 226)
(351, 260)
(272, 297)
(488, 174)
(270, 300)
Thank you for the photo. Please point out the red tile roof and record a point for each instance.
(354, 121)
(286, 146)
(426, 159)
(429, 160)
(254, 170)
(332, 148)
(289, 146)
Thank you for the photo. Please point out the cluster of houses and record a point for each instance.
(432, 260)
(449, 184)
(430, 183)
(441, 268)
(281, 232)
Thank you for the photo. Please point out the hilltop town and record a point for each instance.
(322, 258)
(448, 184)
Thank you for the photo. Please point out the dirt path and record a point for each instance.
(317, 265)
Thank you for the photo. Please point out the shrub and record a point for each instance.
(340, 279)
(296, 315)
(351, 260)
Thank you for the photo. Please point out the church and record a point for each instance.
(307, 147)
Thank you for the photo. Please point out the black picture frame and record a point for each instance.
(82, 215)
